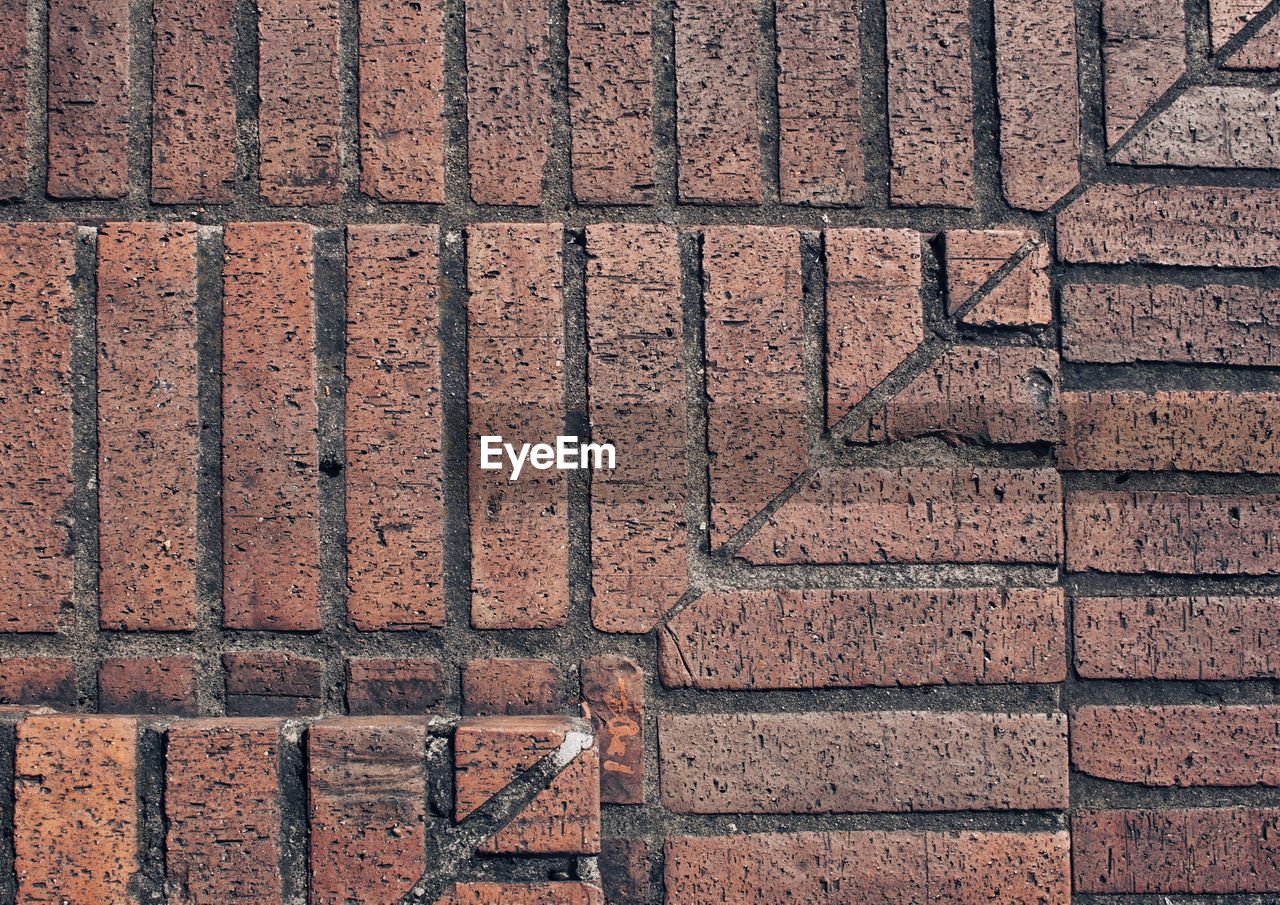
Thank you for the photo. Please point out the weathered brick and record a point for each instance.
(37, 680)
(148, 426)
(402, 100)
(1021, 297)
(193, 104)
(625, 871)
(269, 683)
(394, 686)
(523, 894)
(1228, 17)
(635, 337)
(508, 100)
(1211, 126)
(717, 102)
(36, 528)
(821, 763)
(515, 352)
(930, 88)
(148, 685)
(222, 801)
(1193, 850)
(613, 696)
(877, 636)
(1191, 638)
(269, 452)
(15, 156)
(394, 474)
(868, 515)
(88, 98)
(498, 687)
(300, 101)
(1262, 51)
(1144, 51)
(611, 100)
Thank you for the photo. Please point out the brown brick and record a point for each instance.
(394, 476)
(515, 352)
(755, 370)
(883, 637)
(222, 801)
(717, 102)
(564, 818)
(300, 101)
(819, 102)
(1144, 51)
(37, 680)
(611, 100)
(498, 687)
(402, 100)
(1179, 225)
(366, 793)
(822, 763)
(625, 871)
(522, 894)
(508, 100)
(1262, 51)
(15, 157)
(869, 515)
(1194, 850)
(613, 695)
(269, 683)
(75, 815)
(148, 426)
(1192, 638)
(193, 104)
(394, 686)
(1211, 126)
(930, 87)
(635, 334)
(148, 685)
(1021, 297)
(88, 98)
(269, 454)
(36, 527)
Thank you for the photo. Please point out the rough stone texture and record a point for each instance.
(498, 687)
(1262, 51)
(613, 698)
(625, 871)
(1144, 51)
(268, 683)
(14, 156)
(523, 894)
(377, 686)
(1211, 126)
(38, 680)
(884, 637)
(152, 685)
(976, 257)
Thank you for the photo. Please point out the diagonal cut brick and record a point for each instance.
(1262, 51)
(1144, 52)
(1228, 126)
(1022, 295)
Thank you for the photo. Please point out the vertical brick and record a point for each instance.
(148, 685)
(15, 155)
(36, 526)
(635, 338)
(148, 426)
(1144, 51)
(394, 686)
(611, 100)
(394, 477)
(511, 687)
(613, 692)
(269, 455)
(88, 98)
(269, 683)
(717, 102)
(625, 871)
(37, 680)
(402, 100)
(75, 820)
(300, 102)
(515, 352)
(193, 104)
(508, 100)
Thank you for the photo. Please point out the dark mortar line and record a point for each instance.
(141, 44)
(929, 351)
(349, 162)
(1088, 792)
(768, 118)
(697, 450)
(81, 634)
(666, 154)
(738, 823)
(813, 277)
(8, 792)
(244, 81)
(1157, 376)
(148, 884)
(295, 828)
(988, 182)
(1244, 35)
(874, 63)
(1011, 698)
(557, 173)
(1166, 274)
(1153, 584)
(1176, 481)
(37, 130)
(577, 423)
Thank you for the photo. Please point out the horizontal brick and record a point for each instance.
(523, 894)
(822, 763)
(882, 637)
(499, 687)
(15, 156)
(1144, 51)
(613, 699)
(394, 686)
(268, 683)
(1224, 126)
(151, 685)
(37, 680)
(626, 871)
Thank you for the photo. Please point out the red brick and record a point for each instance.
(916, 515)
(1213, 324)
(1039, 141)
(1177, 533)
(36, 540)
(635, 334)
(819, 102)
(394, 686)
(1193, 850)
(522, 894)
(611, 100)
(1020, 298)
(222, 801)
(1210, 126)
(823, 763)
(148, 685)
(37, 680)
(367, 805)
(1179, 225)
(1192, 638)
(88, 98)
(508, 100)
(930, 88)
(394, 476)
(402, 100)
(1144, 51)
(564, 818)
(625, 871)
(498, 687)
(755, 370)
(515, 352)
(1262, 51)
(15, 156)
(717, 102)
(613, 696)
(268, 683)
(148, 426)
(875, 867)
(193, 105)
(269, 454)
(1228, 17)
(300, 102)
(882, 636)
(1178, 745)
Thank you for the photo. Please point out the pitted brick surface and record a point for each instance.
(523, 894)
(14, 156)
(1211, 126)
(1144, 51)
(38, 680)
(152, 685)
(268, 683)
(377, 686)
(986, 277)
(511, 687)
